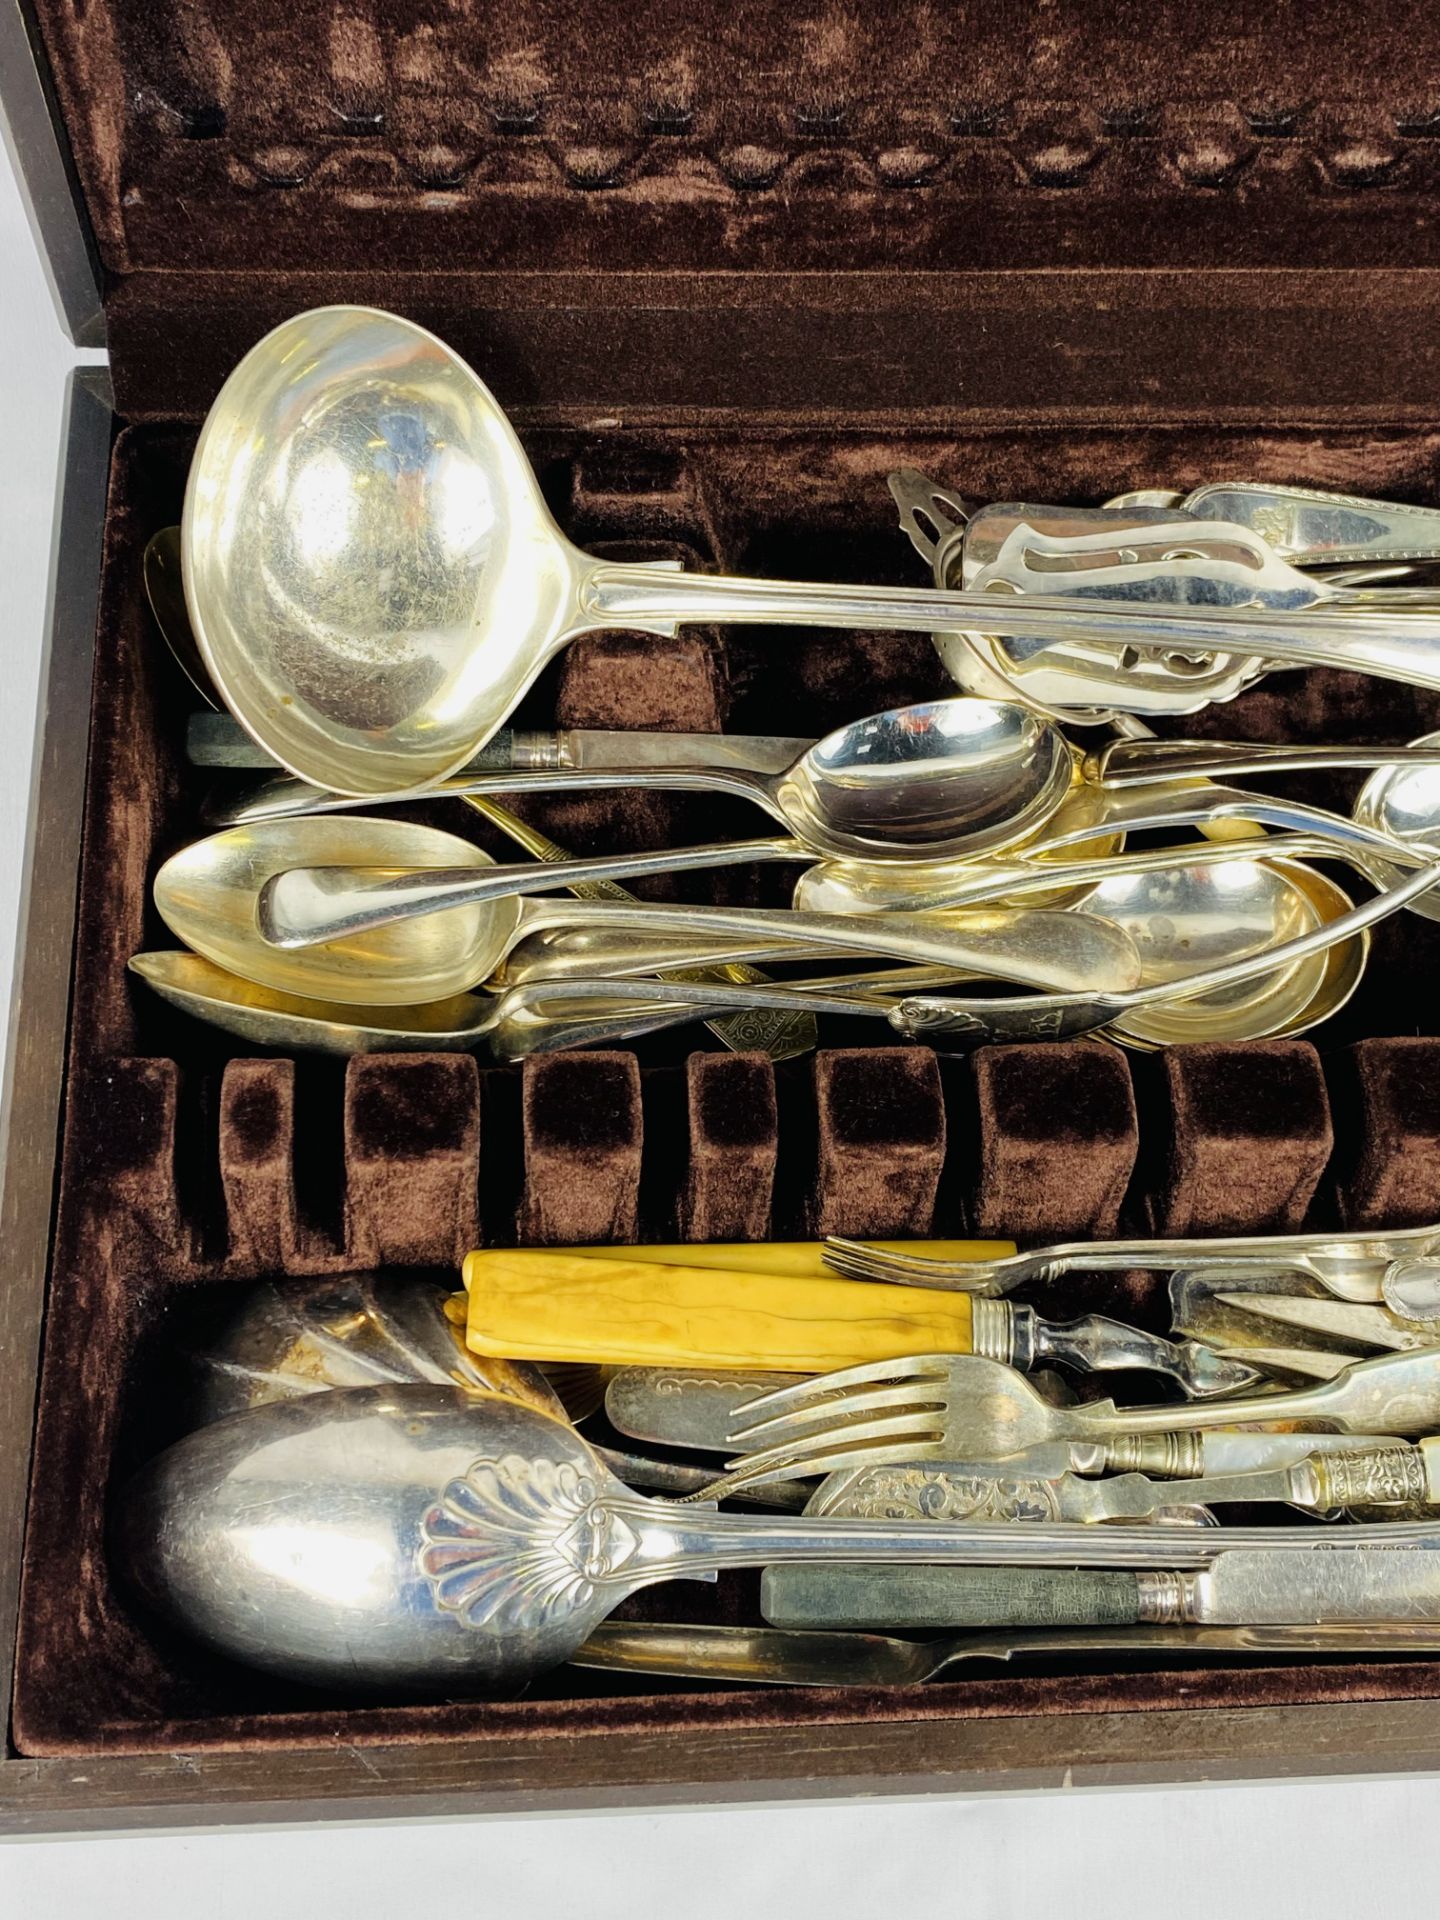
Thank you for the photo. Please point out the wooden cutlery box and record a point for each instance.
(725, 273)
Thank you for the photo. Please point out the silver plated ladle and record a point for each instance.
(374, 579)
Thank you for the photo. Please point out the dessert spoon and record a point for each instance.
(207, 894)
(1404, 802)
(939, 781)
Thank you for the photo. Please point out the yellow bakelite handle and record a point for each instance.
(531, 1304)
(792, 1259)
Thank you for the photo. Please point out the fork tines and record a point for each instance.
(855, 1260)
(879, 1413)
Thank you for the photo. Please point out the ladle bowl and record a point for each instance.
(353, 520)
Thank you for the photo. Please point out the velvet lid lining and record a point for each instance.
(288, 134)
(192, 1164)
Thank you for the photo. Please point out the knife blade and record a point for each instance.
(1368, 1326)
(1330, 1585)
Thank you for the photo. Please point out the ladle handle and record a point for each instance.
(1403, 645)
(306, 905)
(1136, 762)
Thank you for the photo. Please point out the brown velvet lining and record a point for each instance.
(1390, 1091)
(190, 1165)
(1249, 1137)
(292, 132)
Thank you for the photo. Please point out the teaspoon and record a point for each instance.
(926, 787)
(374, 579)
(1404, 802)
(1185, 907)
(1051, 1014)
(938, 781)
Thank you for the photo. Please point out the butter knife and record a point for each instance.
(218, 740)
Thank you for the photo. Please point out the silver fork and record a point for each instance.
(1352, 1266)
(960, 1407)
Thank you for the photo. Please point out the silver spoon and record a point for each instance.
(938, 781)
(207, 894)
(1050, 1016)
(165, 590)
(374, 580)
(1404, 802)
(583, 1012)
(1050, 1013)
(306, 909)
(424, 1538)
(1186, 908)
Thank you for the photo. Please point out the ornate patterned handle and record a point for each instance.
(1378, 1476)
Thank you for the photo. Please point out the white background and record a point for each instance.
(1226, 1853)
